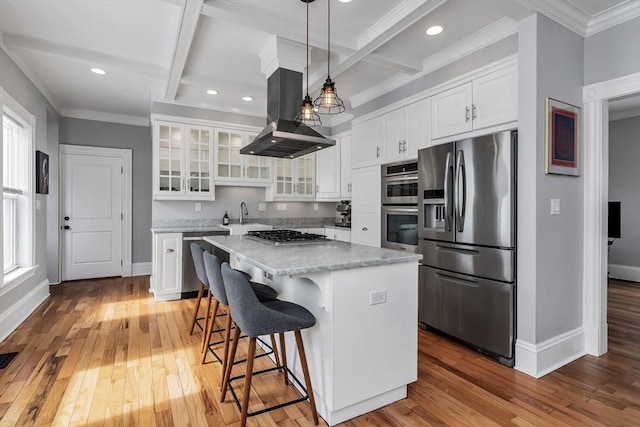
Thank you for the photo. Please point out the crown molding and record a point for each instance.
(101, 116)
(613, 17)
(397, 14)
(492, 33)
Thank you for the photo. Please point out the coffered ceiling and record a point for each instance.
(173, 51)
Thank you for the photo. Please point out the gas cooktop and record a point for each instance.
(279, 237)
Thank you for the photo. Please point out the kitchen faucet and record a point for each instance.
(243, 212)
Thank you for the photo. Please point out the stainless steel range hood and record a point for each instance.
(283, 137)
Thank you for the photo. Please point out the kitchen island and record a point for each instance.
(362, 352)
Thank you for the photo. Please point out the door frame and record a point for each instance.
(595, 98)
(126, 155)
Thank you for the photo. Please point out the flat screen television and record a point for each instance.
(614, 220)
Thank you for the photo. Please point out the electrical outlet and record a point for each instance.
(377, 297)
(198, 207)
(555, 206)
(315, 206)
(262, 206)
(281, 206)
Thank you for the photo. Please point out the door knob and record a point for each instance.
(66, 218)
(66, 227)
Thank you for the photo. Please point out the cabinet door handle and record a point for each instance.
(399, 146)
(404, 146)
(466, 114)
(317, 188)
(349, 187)
(377, 152)
(169, 250)
(474, 112)
(365, 229)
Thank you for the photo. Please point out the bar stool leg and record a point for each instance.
(307, 378)
(195, 312)
(275, 350)
(206, 338)
(232, 356)
(283, 351)
(247, 381)
(227, 337)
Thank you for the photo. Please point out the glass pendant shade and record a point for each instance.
(329, 102)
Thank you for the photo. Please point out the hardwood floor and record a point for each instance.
(102, 352)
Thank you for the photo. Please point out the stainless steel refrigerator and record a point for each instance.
(467, 237)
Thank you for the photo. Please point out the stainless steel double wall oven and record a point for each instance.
(400, 206)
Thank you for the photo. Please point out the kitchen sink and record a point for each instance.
(240, 229)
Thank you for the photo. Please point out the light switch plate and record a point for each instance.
(262, 206)
(198, 207)
(555, 206)
(281, 206)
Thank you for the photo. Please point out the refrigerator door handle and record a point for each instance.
(448, 210)
(458, 280)
(461, 174)
(458, 206)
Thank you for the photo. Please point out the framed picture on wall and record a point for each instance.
(562, 138)
(42, 173)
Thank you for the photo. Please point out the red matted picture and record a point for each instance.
(562, 138)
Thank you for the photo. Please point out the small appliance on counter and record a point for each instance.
(344, 209)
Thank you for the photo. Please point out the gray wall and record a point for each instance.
(53, 230)
(138, 139)
(624, 186)
(550, 247)
(612, 53)
(16, 84)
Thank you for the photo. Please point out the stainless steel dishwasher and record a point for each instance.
(190, 282)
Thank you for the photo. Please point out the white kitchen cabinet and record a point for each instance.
(366, 143)
(365, 211)
(341, 234)
(405, 131)
(182, 161)
(486, 101)
(345, 167)
(294, 178)
(328, 173)
(317, 230)
(233, 168)
(167, 266)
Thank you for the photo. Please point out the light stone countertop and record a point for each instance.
(288, 259)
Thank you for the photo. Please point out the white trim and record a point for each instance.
(596, 183)
(18, 312)
(126, 155)
(612, 17)
(562, 12)
(493, 33)
(507, 61)
(182, 120)
(101, 116)
(141, 269)
(624, 272)
(16, 277)
(538, 360)
(625, 114)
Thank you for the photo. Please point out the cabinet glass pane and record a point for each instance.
(164, 132)
(264, 172)
(194, 184)
(176, 134)
(175, 184)
(253, 172)
(236, 171)
(223, 170)
(164, 183)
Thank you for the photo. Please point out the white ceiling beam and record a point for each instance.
(386, 29)
(219, 85)
(241, 13)
(16, 41)
(188, 23)
(391, 60)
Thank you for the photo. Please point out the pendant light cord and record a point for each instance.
(328, 37)
(307, 49)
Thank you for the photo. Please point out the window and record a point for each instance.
(17, 190)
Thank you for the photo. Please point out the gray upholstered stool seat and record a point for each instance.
(262, 292)
(256, 318)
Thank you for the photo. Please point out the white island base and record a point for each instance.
(362, 352)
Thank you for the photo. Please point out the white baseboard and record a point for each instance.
(16, 314)
(624, 272)
(141, 269)
(538, 360)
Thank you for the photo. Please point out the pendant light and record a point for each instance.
(307, 113)
(329, 102)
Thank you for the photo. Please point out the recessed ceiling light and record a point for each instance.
(436, 29)
(319, 147)
(274, 141)
(252, 152)
(247, 98)
(98, 71)
(344, 1)
(212, 92)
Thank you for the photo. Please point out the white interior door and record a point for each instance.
(91, 216)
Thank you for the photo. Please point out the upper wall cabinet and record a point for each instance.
(294, 178)
(333, 171)
(486, 101)
(366, 143)
(345, 167)
(405, 131)
(182, 162)
(234, 168)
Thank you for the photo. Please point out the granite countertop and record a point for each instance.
(308, 257)
(186, 226)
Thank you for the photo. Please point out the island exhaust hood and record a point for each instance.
(283, 137)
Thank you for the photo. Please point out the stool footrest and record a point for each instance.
(213, 344)
(270, 408)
